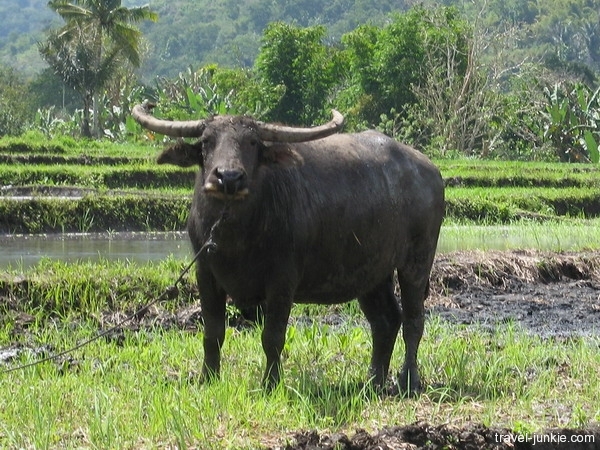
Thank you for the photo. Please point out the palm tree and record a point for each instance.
(101, 31)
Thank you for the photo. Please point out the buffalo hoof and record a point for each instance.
(409, 383)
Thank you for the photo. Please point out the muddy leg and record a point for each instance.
(413, 311)
(381, 308)
(212, 300)
(277, 313)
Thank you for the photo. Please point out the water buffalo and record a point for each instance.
(283, 214)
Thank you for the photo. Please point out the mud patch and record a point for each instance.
(549, 294)
(421, 435)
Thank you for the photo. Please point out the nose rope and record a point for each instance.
(170, 292)
(210, 246)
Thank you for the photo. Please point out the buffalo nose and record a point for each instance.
(230, 179)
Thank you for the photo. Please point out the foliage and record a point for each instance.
(386, 64)
(94, 213)
(459, 79)
(454, 98)
(191, 95)
(229, 33)
(296, 60)
(76, 63)
(572, 121)
(15, 104)
(96, 39)
(52, 92)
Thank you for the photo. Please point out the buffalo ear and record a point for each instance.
(182, 154)
(282, 155)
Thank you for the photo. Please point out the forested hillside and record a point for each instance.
(228, 32)
(23, 24)
(191, 32)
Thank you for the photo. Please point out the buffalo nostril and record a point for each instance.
(229, 175)
(230, 179)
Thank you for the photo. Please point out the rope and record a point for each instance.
(170, 292)
(210, 246)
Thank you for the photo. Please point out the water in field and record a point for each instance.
(22, 251)
(26, 250)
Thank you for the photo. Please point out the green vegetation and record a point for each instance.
(90, 50)
(80, 291)
(485, 79)
(449, 79)
(140, 389)
(94, 213)
(564, 234)
(65, 185)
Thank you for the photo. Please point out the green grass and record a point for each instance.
(59, 290)
(141, 176)
(35, 143)
(507, 173)
(502, 205)
(145, 393)
(568, 234)
(481, 192)
(95, 213)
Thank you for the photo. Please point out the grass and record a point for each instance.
(145, 393)
(36, 143)
(502, 205)
(140, 176)
(94, 213)
(60, 290)
(568, 234)
(518, 172)
(490, 192)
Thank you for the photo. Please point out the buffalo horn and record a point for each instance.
(281, 133)
(175, 128)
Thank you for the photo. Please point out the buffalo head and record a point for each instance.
(231, 148)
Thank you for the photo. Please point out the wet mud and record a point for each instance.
(548, 294)
(423, 436)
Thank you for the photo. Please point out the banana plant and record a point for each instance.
(572, 115)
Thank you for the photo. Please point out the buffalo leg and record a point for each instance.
(212, 300)
(413, 311)
(381, 308)
(276, 318)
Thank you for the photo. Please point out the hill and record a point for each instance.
(228, 32)
(23, 25)
(190, 32)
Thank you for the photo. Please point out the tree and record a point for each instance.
(386, 64)
(297, 59)
(14, 103)
(97, 36)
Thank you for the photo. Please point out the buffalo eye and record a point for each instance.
(205, 141)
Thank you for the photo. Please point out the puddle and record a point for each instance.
(23, 251)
